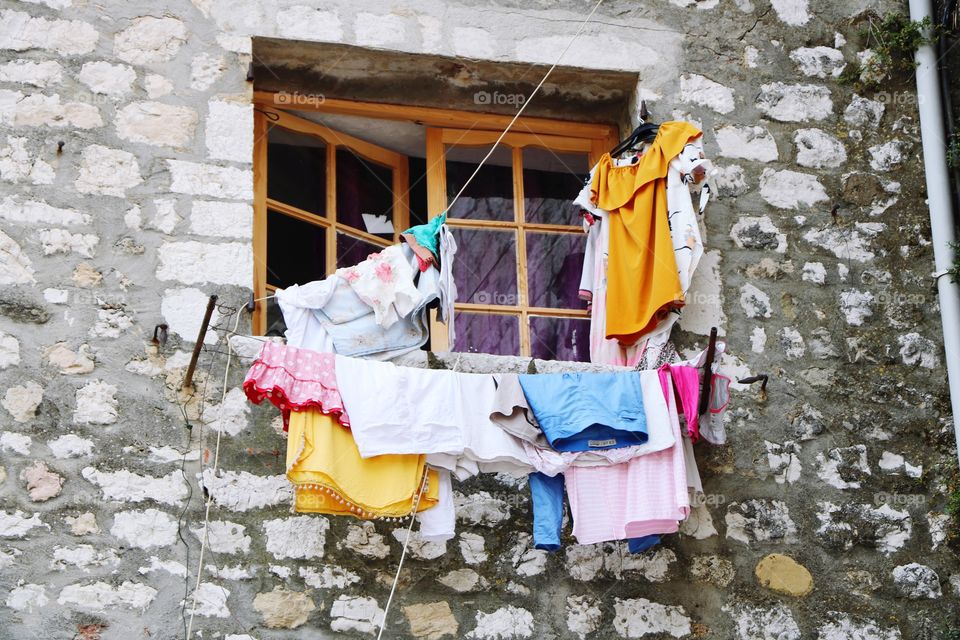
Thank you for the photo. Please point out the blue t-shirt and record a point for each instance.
(587, 411)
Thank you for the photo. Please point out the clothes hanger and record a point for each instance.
(645, 132)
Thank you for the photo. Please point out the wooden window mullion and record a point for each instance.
(522, 271)
(436, 205)
(401, 204)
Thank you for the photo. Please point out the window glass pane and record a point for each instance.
(297, 170)
(559, 338)
(554, 265)
(275, 323)
(550, 183)
(489, 196)
(418, 191)
(296, 251)
(351, 251)
(364, 194)
(485, 269)
(487, 333)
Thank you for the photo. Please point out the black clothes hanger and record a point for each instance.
(646, 132)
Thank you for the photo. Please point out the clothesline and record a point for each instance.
(204, 538)
(513, 121)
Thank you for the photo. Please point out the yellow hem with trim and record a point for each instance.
(329, 476)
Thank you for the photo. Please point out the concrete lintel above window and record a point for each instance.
(314, 71)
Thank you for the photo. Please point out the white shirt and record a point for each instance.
(443, 414)
(688, 248)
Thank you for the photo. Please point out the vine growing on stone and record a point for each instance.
(954, 273)
(953, 152)
(891, 41)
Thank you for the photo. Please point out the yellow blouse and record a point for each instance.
(642, 280)
(329, 476)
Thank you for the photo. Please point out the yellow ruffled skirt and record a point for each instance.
(329, 476)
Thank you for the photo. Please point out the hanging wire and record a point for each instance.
(216, 461)
(403, 553)
(516, 117)
(406, 541)
(181, 517)
(225, 312)
(526, 102)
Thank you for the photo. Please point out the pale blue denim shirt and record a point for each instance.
(327, 315)
(352, 325)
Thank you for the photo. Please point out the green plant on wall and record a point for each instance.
(954, 273)
(953, 504)
(892, 40)
(953, 152)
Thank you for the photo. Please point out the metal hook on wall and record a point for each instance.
(160, 335)
(762, 378)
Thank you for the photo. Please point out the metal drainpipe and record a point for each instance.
(940, 204)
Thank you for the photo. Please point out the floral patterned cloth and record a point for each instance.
(294, 380)
(385, 282)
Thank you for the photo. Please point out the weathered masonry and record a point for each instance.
(131, 140)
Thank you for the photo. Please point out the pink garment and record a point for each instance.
(687, 382)
(645, 496)
(293, 379)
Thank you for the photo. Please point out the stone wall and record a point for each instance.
(126, 188)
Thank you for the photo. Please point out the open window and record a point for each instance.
(340, 180)
(324, 200)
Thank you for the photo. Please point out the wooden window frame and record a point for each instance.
(444, 127)
(263, 204)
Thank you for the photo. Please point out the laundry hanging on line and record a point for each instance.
(367, 437)
(406, 432)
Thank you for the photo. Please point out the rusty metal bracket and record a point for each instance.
(762, 379)
(704, 403)
(188, 378)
